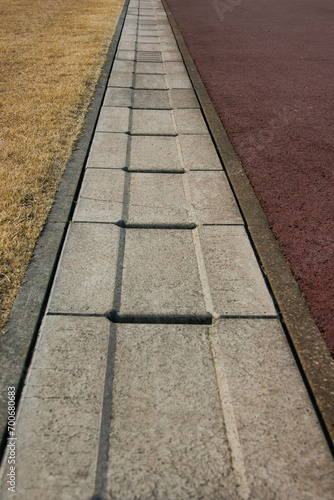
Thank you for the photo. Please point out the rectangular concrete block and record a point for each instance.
(120, 79)
(123, 66)
(148, 39)
(157, 199)
(85, 278)
(212, 198)
(190, 121)
(183, 98)
(148, 31)
(108, 151)
(160, 274)
(236, 284)
(118, 97)
(150, 81)
(101, 196)
(157, 122)
(151, 99)
(172, 56)
(149, 46)
(169, 45)
(126, 55)
(178, 81)
(127, 45)
(175, 67)
(128, 38)
(58, 423)
(150, 68)
(284, 452)
(154, 153)
(113, 120)
(167, 436)
(199, 153)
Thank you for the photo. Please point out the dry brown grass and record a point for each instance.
(51, 54)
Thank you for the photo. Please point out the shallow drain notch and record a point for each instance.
(159, 319)
(134, 225)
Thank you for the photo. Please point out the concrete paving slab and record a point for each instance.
(154, 153)
(118, 97)
(59, 419)
(150, 68)
(101, 196)
(172, 56)
(212, 198)
(108, 151)
(150, 81)
(284, 451)
(169, 46)
(160, 274)
(199, 153)
(236, 284)
(149, 46)
(113, 120)
(126, 55)
(123, 45)
(129, 38)
(85, 278)
(157, 199)
(175, 67)
(167, 437)
(148, 31)
(129, 30)
(178, 81)
(151, 99)
(183, 98)
(148, 39)
(123, 66)
(120, 79)
(157, 122)
(190, 121)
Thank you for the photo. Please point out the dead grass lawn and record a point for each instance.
(51, 54)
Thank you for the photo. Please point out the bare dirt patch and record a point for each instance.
(51, 54)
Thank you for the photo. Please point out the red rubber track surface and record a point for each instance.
(268, 66)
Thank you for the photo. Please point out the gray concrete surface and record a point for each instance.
(130, 406)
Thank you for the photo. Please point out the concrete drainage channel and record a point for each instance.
(160, 361)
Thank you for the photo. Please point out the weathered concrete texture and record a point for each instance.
(167, 438)
(212, 198)
(151, 99)
(59, 419)
(126, 55)
(154, 153)
(150, 81)
(178, 81)
(284, 450)
(198, 153)
(85, 278)
(160, 275)
(183, 98)
(125, 66)
(152, 121)
(236, 283)
(190, 121)
(150, 68)
(118, 97)
(108, 151)
(101, 196)
(157, 199)
(113, 120)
